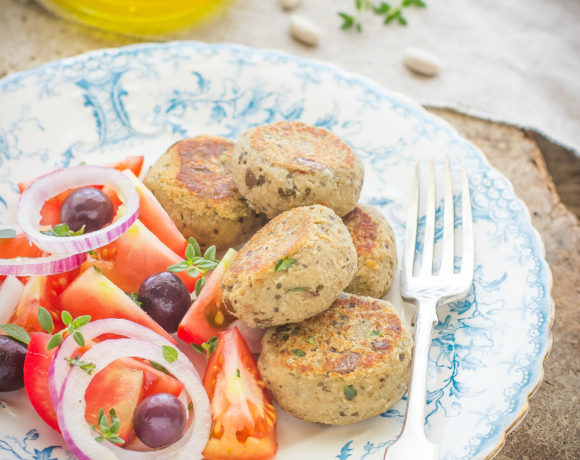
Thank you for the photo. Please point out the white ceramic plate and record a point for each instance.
(488, 350)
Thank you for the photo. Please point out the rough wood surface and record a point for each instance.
(551, 430)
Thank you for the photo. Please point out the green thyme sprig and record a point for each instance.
(159, 367)
(108, 429)
(349, 392)
(84, 365)
(62, 230)
(16, 332)
(169, 353)
(206, 348)
(73, 326)
(195, 264)
(389, 13)
(284, 264)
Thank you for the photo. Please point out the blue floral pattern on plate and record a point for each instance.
(488, 350)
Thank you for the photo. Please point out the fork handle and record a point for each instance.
(412, 443)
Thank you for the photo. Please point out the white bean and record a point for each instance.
(422, 61)
(304, 30)
(290, 4)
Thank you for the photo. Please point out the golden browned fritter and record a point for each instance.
(374, 242)
(291, 269)
(346, 364)
(289, 164)
(193, 182)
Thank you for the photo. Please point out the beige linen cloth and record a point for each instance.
(508, 60)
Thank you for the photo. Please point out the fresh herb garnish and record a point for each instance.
(62, 230)
(169, 353)
(134, 297)
(73, 326)
(108, 430)
(297, 289)
(376, 333)
(388, 12)
(199, 284)
(16, 332)
(298, 352)
(312, 341)
(349, 392)
(45, 320)
(84, 365)
(284, 264)
(7, 233)
(238, 373)
(206, 348)
(194, 263)
(159, 367)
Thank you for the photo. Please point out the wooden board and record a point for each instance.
(551, 430)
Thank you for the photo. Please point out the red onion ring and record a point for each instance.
(59, 367)
(10, 293)
(45, 187)
(36, 266)
(71, 408)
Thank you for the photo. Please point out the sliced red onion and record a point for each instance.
(59, 367)
(51, 264)
(38, 266)
(10, 293)
(45, 187)
(79, 436)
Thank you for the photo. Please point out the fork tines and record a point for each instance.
(465, 274)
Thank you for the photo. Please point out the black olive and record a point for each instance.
(12, 355)
(87, 206)
(165, 298)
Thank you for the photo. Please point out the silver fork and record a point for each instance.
(430, 290)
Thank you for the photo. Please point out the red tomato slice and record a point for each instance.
(207, 315)
(152, 214)
(243, 419)
(92, 293)
(116, 386)
(154, 381)
(42, 291)
(134, 256)
(36, 366)
(35, 295)
(19, 246)
(134, 163)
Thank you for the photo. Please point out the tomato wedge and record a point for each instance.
(134, 256)
(134, 163)
(115, 387)
(35, 295)
(243, 419)
(207, 315)
(36, 366)
(154, 217)
(92, 293)
(19, 246)
(154, 381)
